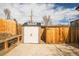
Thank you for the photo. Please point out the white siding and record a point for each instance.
(31, 34)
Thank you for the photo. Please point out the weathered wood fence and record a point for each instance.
(75, 31)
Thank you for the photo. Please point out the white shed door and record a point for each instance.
(31, 34)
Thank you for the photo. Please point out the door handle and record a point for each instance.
(31, 34)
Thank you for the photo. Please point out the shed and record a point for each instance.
(31, 32)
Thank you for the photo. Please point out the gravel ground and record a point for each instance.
(44, 50)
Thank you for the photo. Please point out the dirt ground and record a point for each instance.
(44, 50)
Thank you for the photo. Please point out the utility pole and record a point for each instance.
(31, 17)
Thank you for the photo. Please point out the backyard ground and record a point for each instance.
(44, 50)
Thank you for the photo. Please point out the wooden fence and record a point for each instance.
(75, 31)
(7, 26)
(55, 34)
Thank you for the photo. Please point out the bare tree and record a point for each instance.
(46, 19)
(7, 13)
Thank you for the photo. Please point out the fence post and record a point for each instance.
(18, 39)
(6, 45)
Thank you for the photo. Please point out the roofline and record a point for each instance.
(74, 20)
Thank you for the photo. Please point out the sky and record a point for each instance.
(60, 13)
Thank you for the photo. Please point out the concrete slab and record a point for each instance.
(43, 50)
